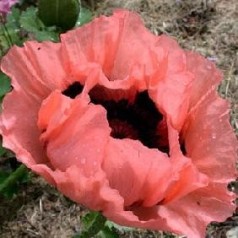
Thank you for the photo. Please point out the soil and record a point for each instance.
(207, 26)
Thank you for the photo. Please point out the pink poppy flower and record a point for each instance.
(123, 122)
(5, 5)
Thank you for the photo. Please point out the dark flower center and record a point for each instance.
(137, 120)
(73, 90)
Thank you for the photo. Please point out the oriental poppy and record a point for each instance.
(123, 122)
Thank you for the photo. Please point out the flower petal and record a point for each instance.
(212, 145)
(110, 42)
(188, 177)
(209, 138)
(169, 85)
(75, 133)
(29, 74)
(206, 77)
(191, 215)
(18, 125)
(134, 170)
(91, 191)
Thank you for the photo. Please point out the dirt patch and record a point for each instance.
(39, 211)
(209, 27)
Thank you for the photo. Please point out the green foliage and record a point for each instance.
(2, 151)
(30, 22)
(23, 25)
(95, 225)
(114, 226)
(107, 232)
(10, 180)
(10, 31)
(93, 222)
(61, 13)
(5, 85)
(84, 16)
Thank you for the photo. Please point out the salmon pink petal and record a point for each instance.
(174, 106)
(171, 78)
(92, 191)
(206, 77)
(191, 214)
(176, 58)
(74, 133)
(29, 74)
(134, 170)
(188, 215)
(208, 136)
(212, 145)
(20, 133)
(189, 179)
(32, 81)
(18, 125)
(110, 42)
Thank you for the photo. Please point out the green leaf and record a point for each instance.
(9, 181)
(113, 225)
(93, 222)
(2, 150)
(106, 232)
(84, 17)
(13, 18)
(31, 23)
(46, 35)
(9, 32)
(3, 176)
(5, 84)
(29, 20)
(62, 13)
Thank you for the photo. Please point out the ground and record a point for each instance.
(207, 26)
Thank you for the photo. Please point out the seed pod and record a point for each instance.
(61, 13)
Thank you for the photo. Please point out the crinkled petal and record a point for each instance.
(209, 138)
(191, 214)
(92, 191)
(18, 126)
(32, 80)
(111, 42)
(169, 85)
(172, 97)
(74, 132)
(134, 170)
(188, 177)
(29, 74)
(211, 143)
(206, 78)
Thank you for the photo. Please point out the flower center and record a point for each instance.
(73, 90)
(138, 120)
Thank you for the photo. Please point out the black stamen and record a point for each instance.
(135, 121)
(73, 90)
